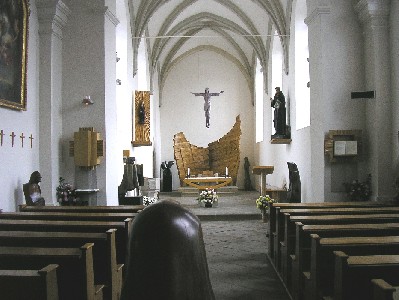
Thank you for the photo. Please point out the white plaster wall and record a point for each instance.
(18, 163)
(183, 112)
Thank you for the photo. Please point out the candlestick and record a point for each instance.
(188, 172)
(227, 172)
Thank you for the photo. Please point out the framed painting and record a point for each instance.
(14, 17)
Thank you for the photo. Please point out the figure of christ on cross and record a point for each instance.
(207, 104)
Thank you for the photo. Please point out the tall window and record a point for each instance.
(277, 69)
(302, 89)
(142, 65)
(259, 102)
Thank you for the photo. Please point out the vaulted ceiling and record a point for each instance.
(241, 30)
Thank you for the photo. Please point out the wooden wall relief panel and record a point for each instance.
(141, 119)
(219, 154)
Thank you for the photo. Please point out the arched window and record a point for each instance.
(142, 65)
(302, 88)
(259, 101)
(277, 69)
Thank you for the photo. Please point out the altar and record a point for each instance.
(263, 171)
(202, 183)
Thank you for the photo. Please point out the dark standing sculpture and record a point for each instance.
(32, 191)
(167, 176)
(247, 181)
(207, 104)
(278, 102)
(142, 113)
(294, 188)
(166, 256)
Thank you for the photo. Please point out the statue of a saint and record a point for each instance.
(32, 190)
(278, 102)
(207, 104)
(141, 113)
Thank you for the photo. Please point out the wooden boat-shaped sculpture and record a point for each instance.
(219, 154)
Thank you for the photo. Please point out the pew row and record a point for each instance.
(75, 276)
(314, 205)
(353, 274)
(301, 259)
(30, 284)
(84, 209)
(68, 216)
(285, 248)
(106, 270)
(121, 236)
(319, 281)
(382, 290)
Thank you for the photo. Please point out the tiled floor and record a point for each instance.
(235, 241)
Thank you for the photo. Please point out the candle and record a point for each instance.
(188, 172)
(227, 171)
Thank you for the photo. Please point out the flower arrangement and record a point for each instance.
(208, 197)
(359, 191)
(65, 193)
(263, 201)
(147, 201)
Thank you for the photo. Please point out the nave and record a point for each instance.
(236, 248)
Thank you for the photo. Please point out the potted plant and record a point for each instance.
(359, 191)
(208, 198)
(262, 203)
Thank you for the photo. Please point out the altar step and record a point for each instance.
(186, 190)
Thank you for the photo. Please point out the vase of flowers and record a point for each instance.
(359, 191)
(65, 193)
(208, 198)
(262, 203)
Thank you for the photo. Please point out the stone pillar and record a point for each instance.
(52, 17)
(374, 16)
(317, 21)
(90, 69)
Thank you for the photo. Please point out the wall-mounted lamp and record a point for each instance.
(87, 101)
(118, 82)
(117, 58)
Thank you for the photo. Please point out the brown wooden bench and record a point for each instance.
(286, 247)
(313, 205)
(122, 230)
(68, 216)
(382, 290)
(320, 279)
(289, 227)
(30, 284)
(75, 274)
(85, 209)
(300, 260)
(353, 274)
(106, 269)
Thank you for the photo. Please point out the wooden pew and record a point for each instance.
(382, 290)
(321, 275)
(353, 274)
(286, 247)
(84, 209)
(75, 275)
(68, 216)
(30, 284)
(289, 227)
(122, 229)
(106, 269)
(313, 205)
(301, 258)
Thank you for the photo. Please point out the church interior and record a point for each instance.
(294, 98)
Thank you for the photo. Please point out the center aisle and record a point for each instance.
(236, 247)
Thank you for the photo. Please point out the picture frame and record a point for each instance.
(14, 19)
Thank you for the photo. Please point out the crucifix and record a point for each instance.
(31, 140)
(12, 135)
(207, 104)
(1, 137)
(22, 139)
